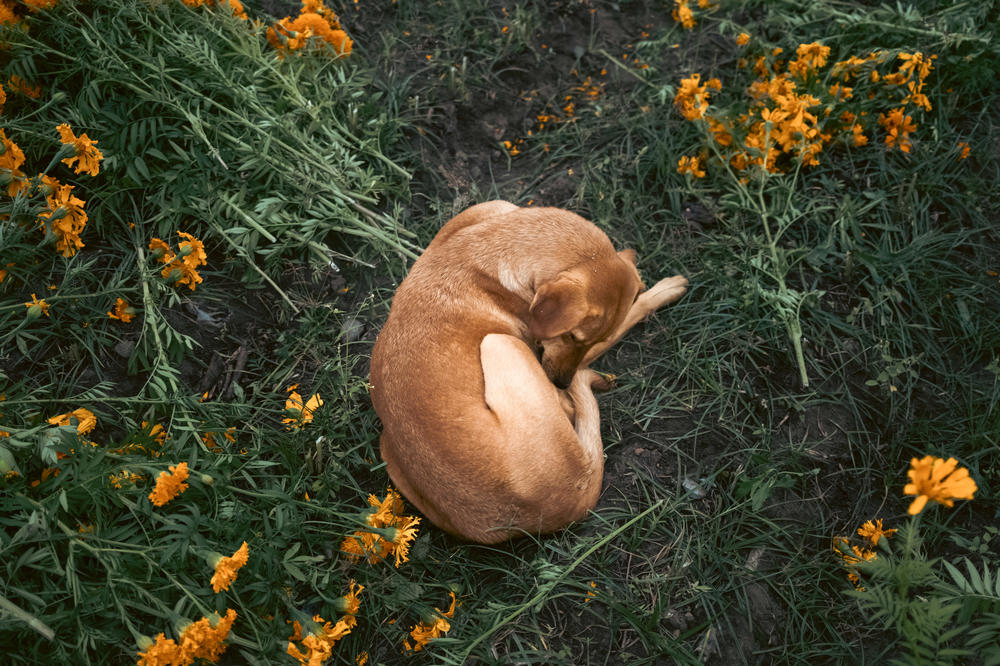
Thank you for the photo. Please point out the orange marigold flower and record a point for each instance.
(691, 165)
(181, 272)
(37, 307)
(7, 15)
(692, 97)
(857, 133)
(682, 14)
(84, 418)
(123, 312)
(431, 627)
(183, 266)
(303, 412)
(11, 161)
(898, 127)
(873, 531)
(743, 39)
(12, 157)
(161, 251)
(387, 511)
(350, 602)
(204, 639)
(65, 218)
(719, 132)
(318, 644)
(155, 432)
(83, 150)
(965, 150)
(810, 58)
(916, 63)
(119, 480)
(192, 250)
(38, 5)
(939, 480)
(317, 7)
(391, 532)
(17, 84)
(169, 485)
(401, 537)
(209, 438)
(163, 652)
(292, 35)
(236, 7)
(841, 93)
(367, 545)
(226, 568)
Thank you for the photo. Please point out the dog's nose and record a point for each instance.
(563, 382)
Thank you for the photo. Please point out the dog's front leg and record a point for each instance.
(664, 292)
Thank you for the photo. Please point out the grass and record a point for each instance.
(727, 475)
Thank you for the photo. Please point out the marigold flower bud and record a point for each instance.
(207, 480)
(144, 642)
(175, 275)
(181, 625)
(34, 311)
(6, 461)
(6, 177)
(185, 250)
(66, 150)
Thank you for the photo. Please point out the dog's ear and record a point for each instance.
(628, 256)
(558, 307)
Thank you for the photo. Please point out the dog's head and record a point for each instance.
(582, 306)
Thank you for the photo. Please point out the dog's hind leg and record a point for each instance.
(554, 455)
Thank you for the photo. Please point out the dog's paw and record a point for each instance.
(666, 291)
(601, 381)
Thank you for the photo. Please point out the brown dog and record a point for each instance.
(506, 307)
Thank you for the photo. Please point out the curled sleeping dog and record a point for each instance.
(480, 375)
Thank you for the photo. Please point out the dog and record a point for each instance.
(480, 374)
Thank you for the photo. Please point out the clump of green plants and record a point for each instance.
(155, 156)
(940, 614)
(793, 111)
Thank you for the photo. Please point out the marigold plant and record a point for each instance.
(795, 113)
